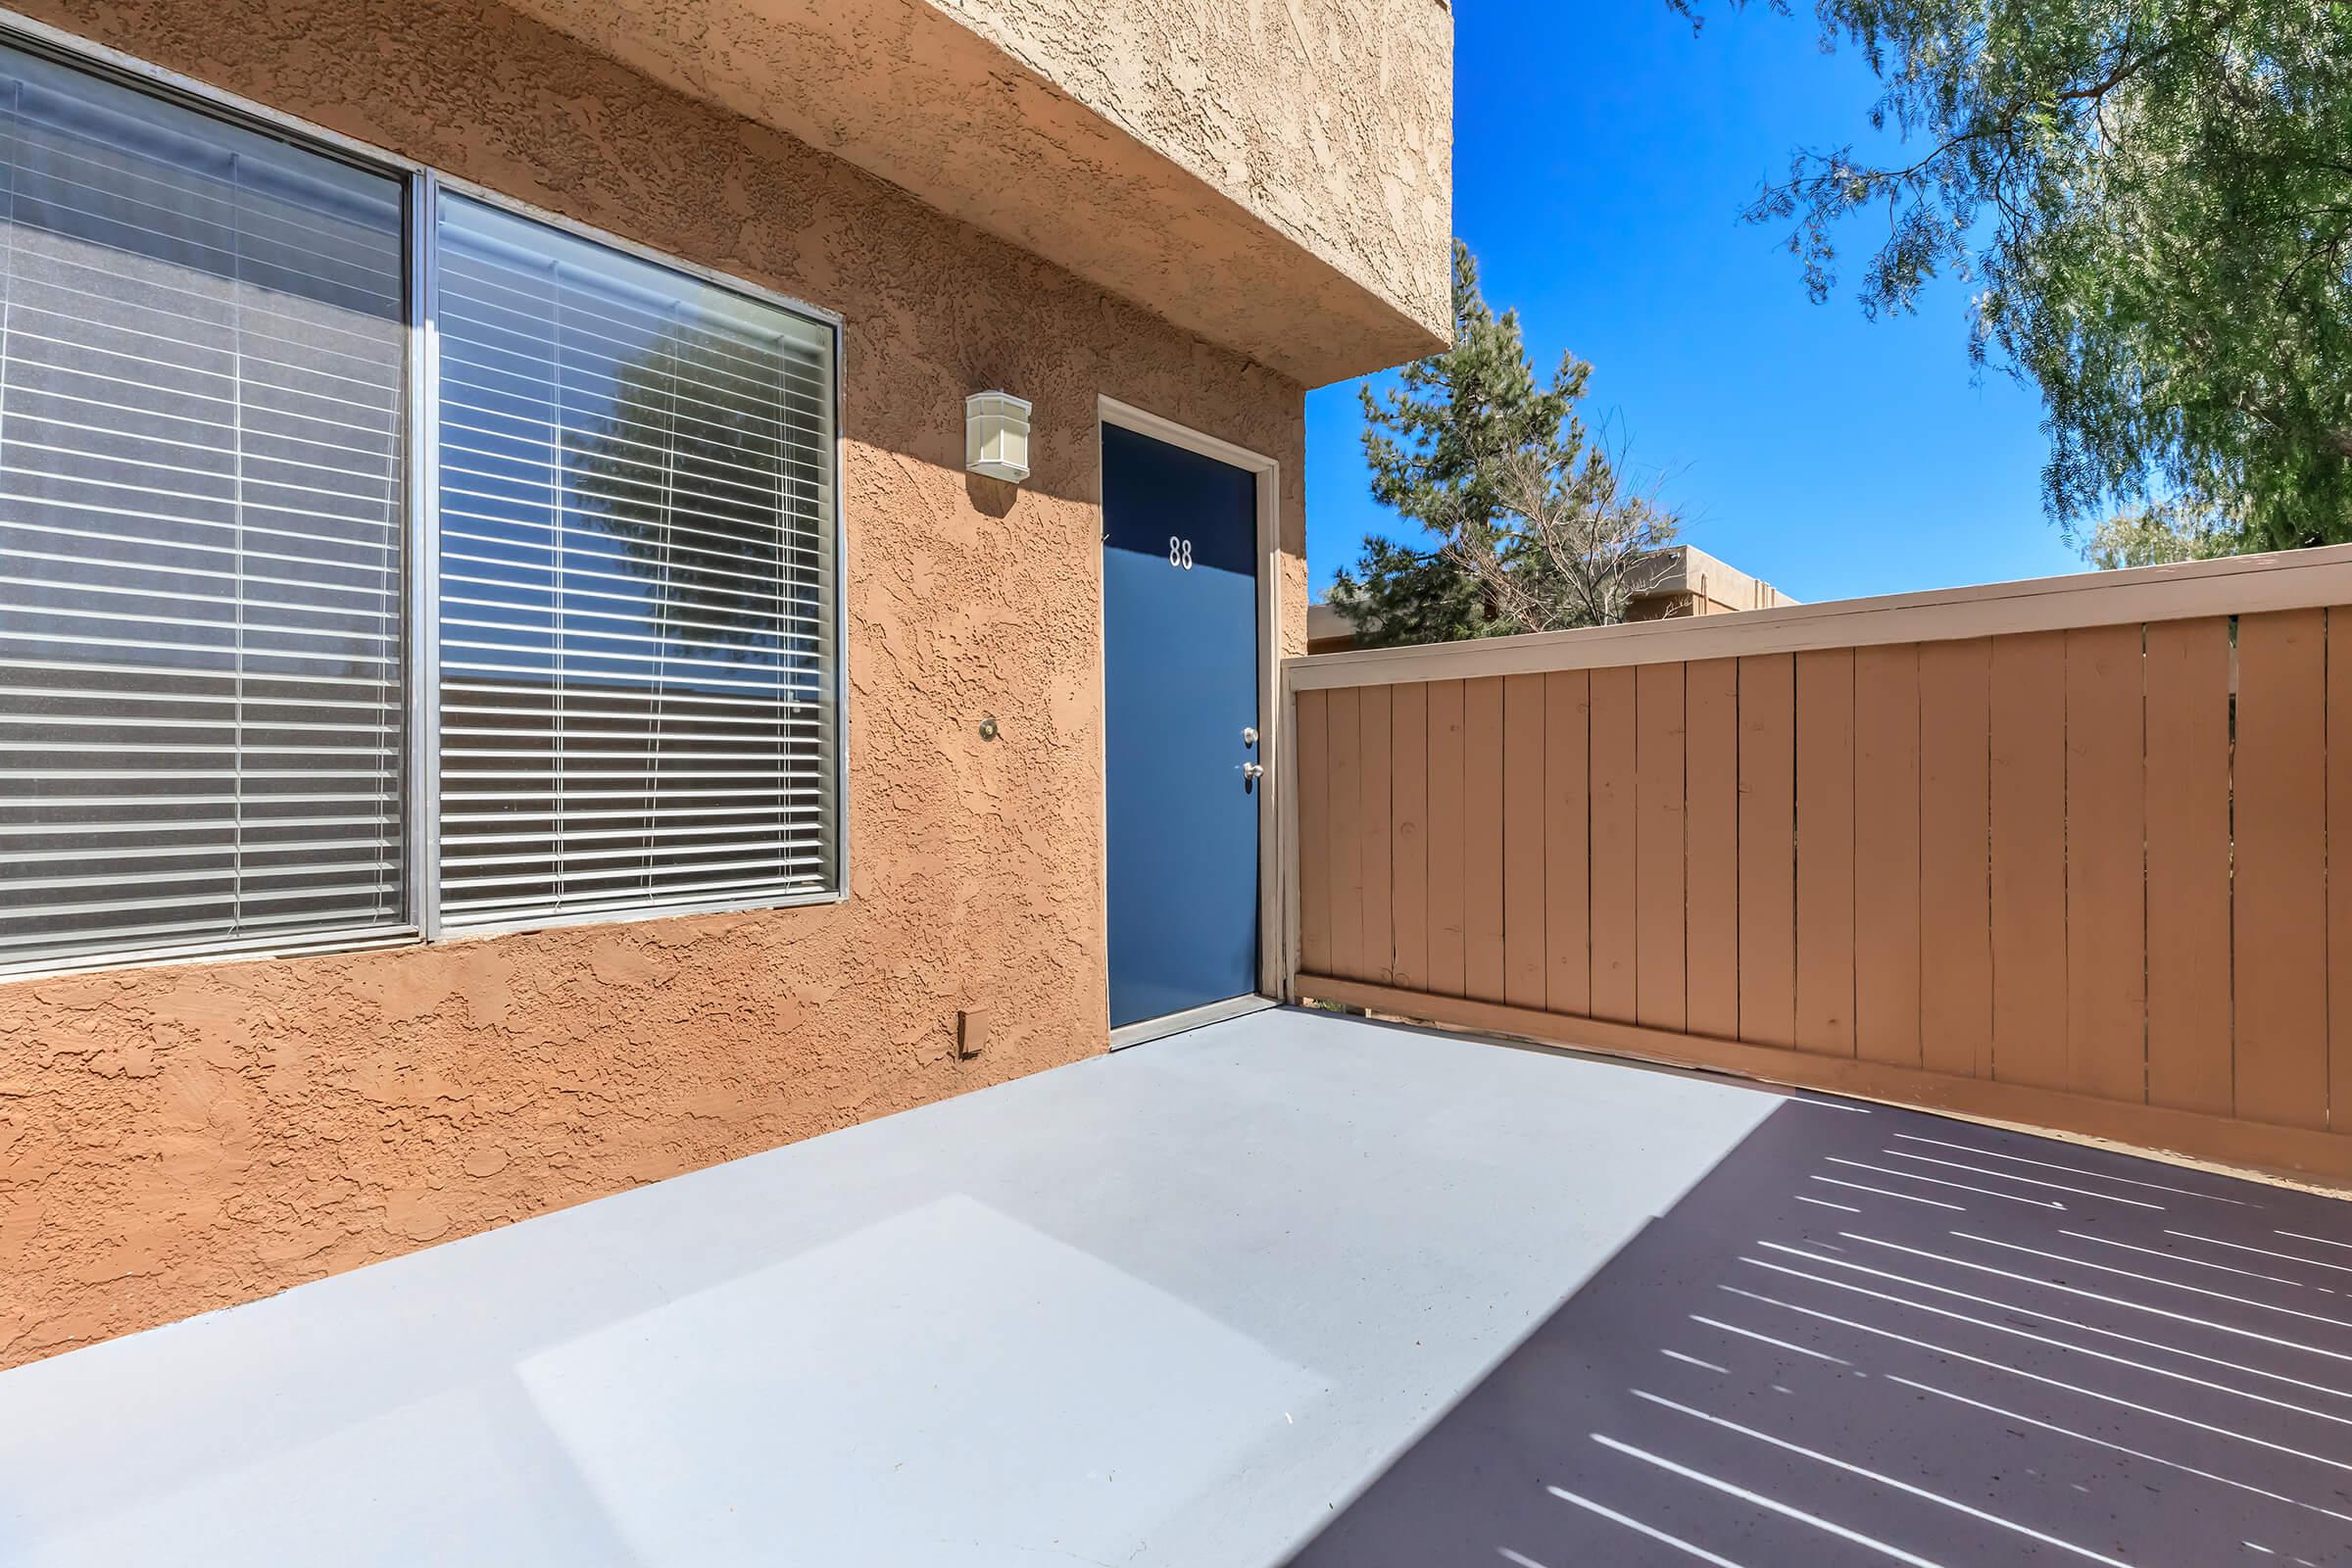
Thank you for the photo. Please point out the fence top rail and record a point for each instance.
(2233, 585)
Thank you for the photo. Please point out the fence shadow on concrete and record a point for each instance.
(1871, 1336)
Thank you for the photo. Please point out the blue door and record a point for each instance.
(1180, 696)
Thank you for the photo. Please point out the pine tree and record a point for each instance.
(1426, 440)
(1531, 528)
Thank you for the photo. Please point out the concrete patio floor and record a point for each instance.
(1293, 1286)
(1173, 1305)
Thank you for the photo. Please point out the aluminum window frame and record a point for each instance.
(420, 529)
(837, 621)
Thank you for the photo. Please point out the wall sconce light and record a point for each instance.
(995, 435)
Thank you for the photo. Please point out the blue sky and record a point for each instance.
(1602, 157)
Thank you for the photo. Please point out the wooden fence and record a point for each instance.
(2055, 853)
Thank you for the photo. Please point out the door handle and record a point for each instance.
(1254, 770)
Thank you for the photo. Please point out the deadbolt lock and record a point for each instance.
(1249, 735)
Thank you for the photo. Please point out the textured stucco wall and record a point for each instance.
(1275, 174)
(1332, 118)
(182, 1138)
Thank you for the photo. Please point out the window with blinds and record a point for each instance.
(201, 338)
(636, 559)
(205, 529)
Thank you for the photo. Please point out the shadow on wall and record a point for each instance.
(991, 498)
(1872, 1335)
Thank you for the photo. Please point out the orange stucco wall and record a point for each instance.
(182, 1138)
(1298, 156)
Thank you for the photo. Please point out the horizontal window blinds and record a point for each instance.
(202, 337)
(637, 585)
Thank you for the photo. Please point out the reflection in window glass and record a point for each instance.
(636, 582)
(202, 333)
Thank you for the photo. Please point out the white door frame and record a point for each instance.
(1273, 786)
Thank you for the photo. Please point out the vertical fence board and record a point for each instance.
(1567, 820)
(1346, 835)
(1374, 830)
(2340, 870)
(2106, 834)
(2281, 900)
(1523, 823)
(1955, 920)
(1824, 851)
(2029, 860)
(1314, 833)
(1887, 894)
(1613, 854)
(1482, 839)
(2189, 1065)
(1408, 831)
(1711, 833)
(1446, 837)
(1768, 849)
(1658, 797)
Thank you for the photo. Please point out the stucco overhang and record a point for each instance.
(1272, 174)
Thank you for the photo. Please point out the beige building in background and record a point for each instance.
(1680, 580)
(1684, 580)
(1195, 212)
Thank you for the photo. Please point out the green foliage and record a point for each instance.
(1430, 438)
(1533, 527)
(2159, 534)
(714, 580)
(2153, 198)
(1394, 596)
